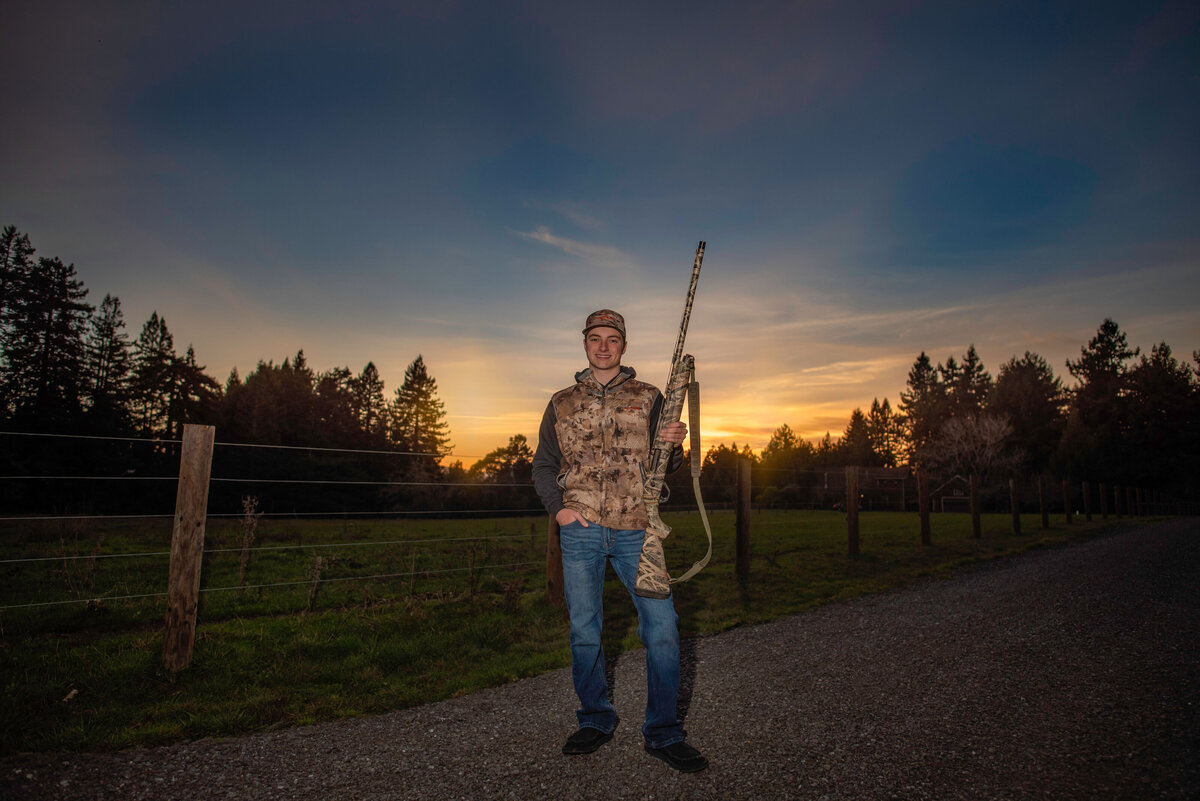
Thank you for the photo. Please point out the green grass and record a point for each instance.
(263, 660)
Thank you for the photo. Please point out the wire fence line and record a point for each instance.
(305, 583)
(438, 552)
(258, 548)
(158, 441)
(271, 481)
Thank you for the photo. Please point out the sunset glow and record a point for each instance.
(468, 180)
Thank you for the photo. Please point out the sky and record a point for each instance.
(371, 181)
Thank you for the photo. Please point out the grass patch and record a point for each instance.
(441, 620)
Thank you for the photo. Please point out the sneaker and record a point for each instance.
(586, 740)
(680, 756)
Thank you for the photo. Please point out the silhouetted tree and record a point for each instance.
(510, 464)
(108, 362)
(1094, 444)
(1164, 429)
(1030, 398)
(46, 317)
(151, 386)
(885, 432)
(921, 406)
(855, 444)
(418, 422)
(370, 409)
(973, 444)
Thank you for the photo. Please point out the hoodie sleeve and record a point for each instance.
(547, 461)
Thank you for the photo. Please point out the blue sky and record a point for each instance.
(370, 181)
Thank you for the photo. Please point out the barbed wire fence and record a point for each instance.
(431, 560)
(65, 550)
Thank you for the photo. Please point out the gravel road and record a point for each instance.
(1064, 673)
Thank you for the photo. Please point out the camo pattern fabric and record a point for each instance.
(604, 435)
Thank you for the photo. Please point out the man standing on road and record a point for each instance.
(592, 448)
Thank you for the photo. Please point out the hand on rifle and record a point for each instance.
(675, 433)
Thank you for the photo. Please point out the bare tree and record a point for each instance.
(972, 444)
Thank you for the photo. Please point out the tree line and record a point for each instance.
(1131, 418)
(68, 367)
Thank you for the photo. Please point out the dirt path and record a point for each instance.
(1067, 673)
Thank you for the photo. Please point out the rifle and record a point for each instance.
(653, 581)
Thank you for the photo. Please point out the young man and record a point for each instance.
(592, 447)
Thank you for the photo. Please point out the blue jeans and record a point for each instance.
(584, 551)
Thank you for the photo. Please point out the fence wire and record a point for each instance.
(305, 583)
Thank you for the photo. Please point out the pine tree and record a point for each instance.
(152, 388)
(418, 420)
(921, 406)
(1094, 444)
(16, 261)
(973, 386)
(43, 345)
(369, 406)
(1030, 398)
(885, 433)
(856, 442)
(194, 394)
(108, 362)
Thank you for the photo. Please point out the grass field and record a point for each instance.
(439, 619)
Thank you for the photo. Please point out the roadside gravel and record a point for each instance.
(1065, 673)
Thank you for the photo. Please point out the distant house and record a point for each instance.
(878, 487)
(954, 495)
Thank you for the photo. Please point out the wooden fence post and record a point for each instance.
(1103, 501)
(743, 517)
(1016, 506)
(187, 546)
(1141, 502)
(1117, 505)
(1067, 501)
(976, 527)
(923, 507)
(1087, 502)
(554, 571)
(1042, 502)
(1130, 505)
(852, 510)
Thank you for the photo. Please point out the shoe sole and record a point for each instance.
(681, 767)
(568, 751)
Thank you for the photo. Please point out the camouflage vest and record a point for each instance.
(604, 435)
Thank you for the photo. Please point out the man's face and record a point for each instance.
(604, 347)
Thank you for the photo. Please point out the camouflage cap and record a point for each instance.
(605, 317)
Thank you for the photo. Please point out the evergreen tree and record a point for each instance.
(151, 390)
(974, 384)
(16, 261)
(368, 404)
(43, 345)
(418, 421)
(1029, 397)
(1094, 444)
(193, 396)
(1164, 427)
(786, 458)
(885, 432)
(855, 444)
(108, 363)
(921, 406)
